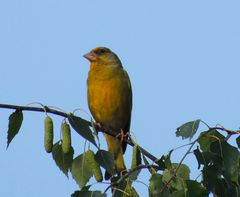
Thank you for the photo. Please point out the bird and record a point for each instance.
(109, 93)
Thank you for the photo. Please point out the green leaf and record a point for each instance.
(151, 170)
(188, 129)
(230, 156)
(63, 161)
(183, 171)
(168, 162)
(118, 189)
(106, 160)
(195, 189)
(130, 191)
(82, 127)
(205, 158)
(178, 179)
(14, 125)
(90, 157)
(81, 170)
(88, 194)
(206, 138)
(156, 186)
(136, 160)
(238, 141)
(179, 193)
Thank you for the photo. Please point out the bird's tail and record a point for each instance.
(115, 147)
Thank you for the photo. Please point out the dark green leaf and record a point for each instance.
(188, 129)
(211, 174)
(82, 127)
(118, 190)
(206, 138)
(14, 125)
(179, 193)
(233, 191)
(162, 162)
(204, 158)
(63, 161)
(88, 194)
(238, 141)
(106, 160)
(230, 156)
(195, 189)
(151, 170)
(168, 162)
(81, 170)
(136, 160)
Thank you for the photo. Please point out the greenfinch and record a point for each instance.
(110, 99)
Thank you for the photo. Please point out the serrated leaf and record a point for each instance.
(82, 127)
(88, 194)
(81, 170)
(230, 156)
(206, 138)
(14, 125)
(188, 129)
(106, 160)
(195, 189)
(63, 161)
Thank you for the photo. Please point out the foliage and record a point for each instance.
(218, 160)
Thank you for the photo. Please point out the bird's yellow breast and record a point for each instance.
(109, 96)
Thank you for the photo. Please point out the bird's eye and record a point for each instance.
(101, 51)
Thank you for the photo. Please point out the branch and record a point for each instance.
(176, 170)
(128, 173)
(47, 109)
(36, 109)
(228, 131)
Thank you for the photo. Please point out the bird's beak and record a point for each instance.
(91, 56)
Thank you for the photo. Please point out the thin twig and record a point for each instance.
(179, 165)
(128, 173)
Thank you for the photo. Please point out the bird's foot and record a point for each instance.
(98, 126)
(122, 136)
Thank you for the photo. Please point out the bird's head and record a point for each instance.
(103, 56)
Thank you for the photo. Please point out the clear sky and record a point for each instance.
(182, 57)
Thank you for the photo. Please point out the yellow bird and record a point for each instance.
(110, 98)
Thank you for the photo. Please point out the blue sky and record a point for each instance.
(182, 58)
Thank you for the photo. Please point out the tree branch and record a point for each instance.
(47, 109)
(128, 173)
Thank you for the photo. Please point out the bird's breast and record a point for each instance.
(109, 98)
